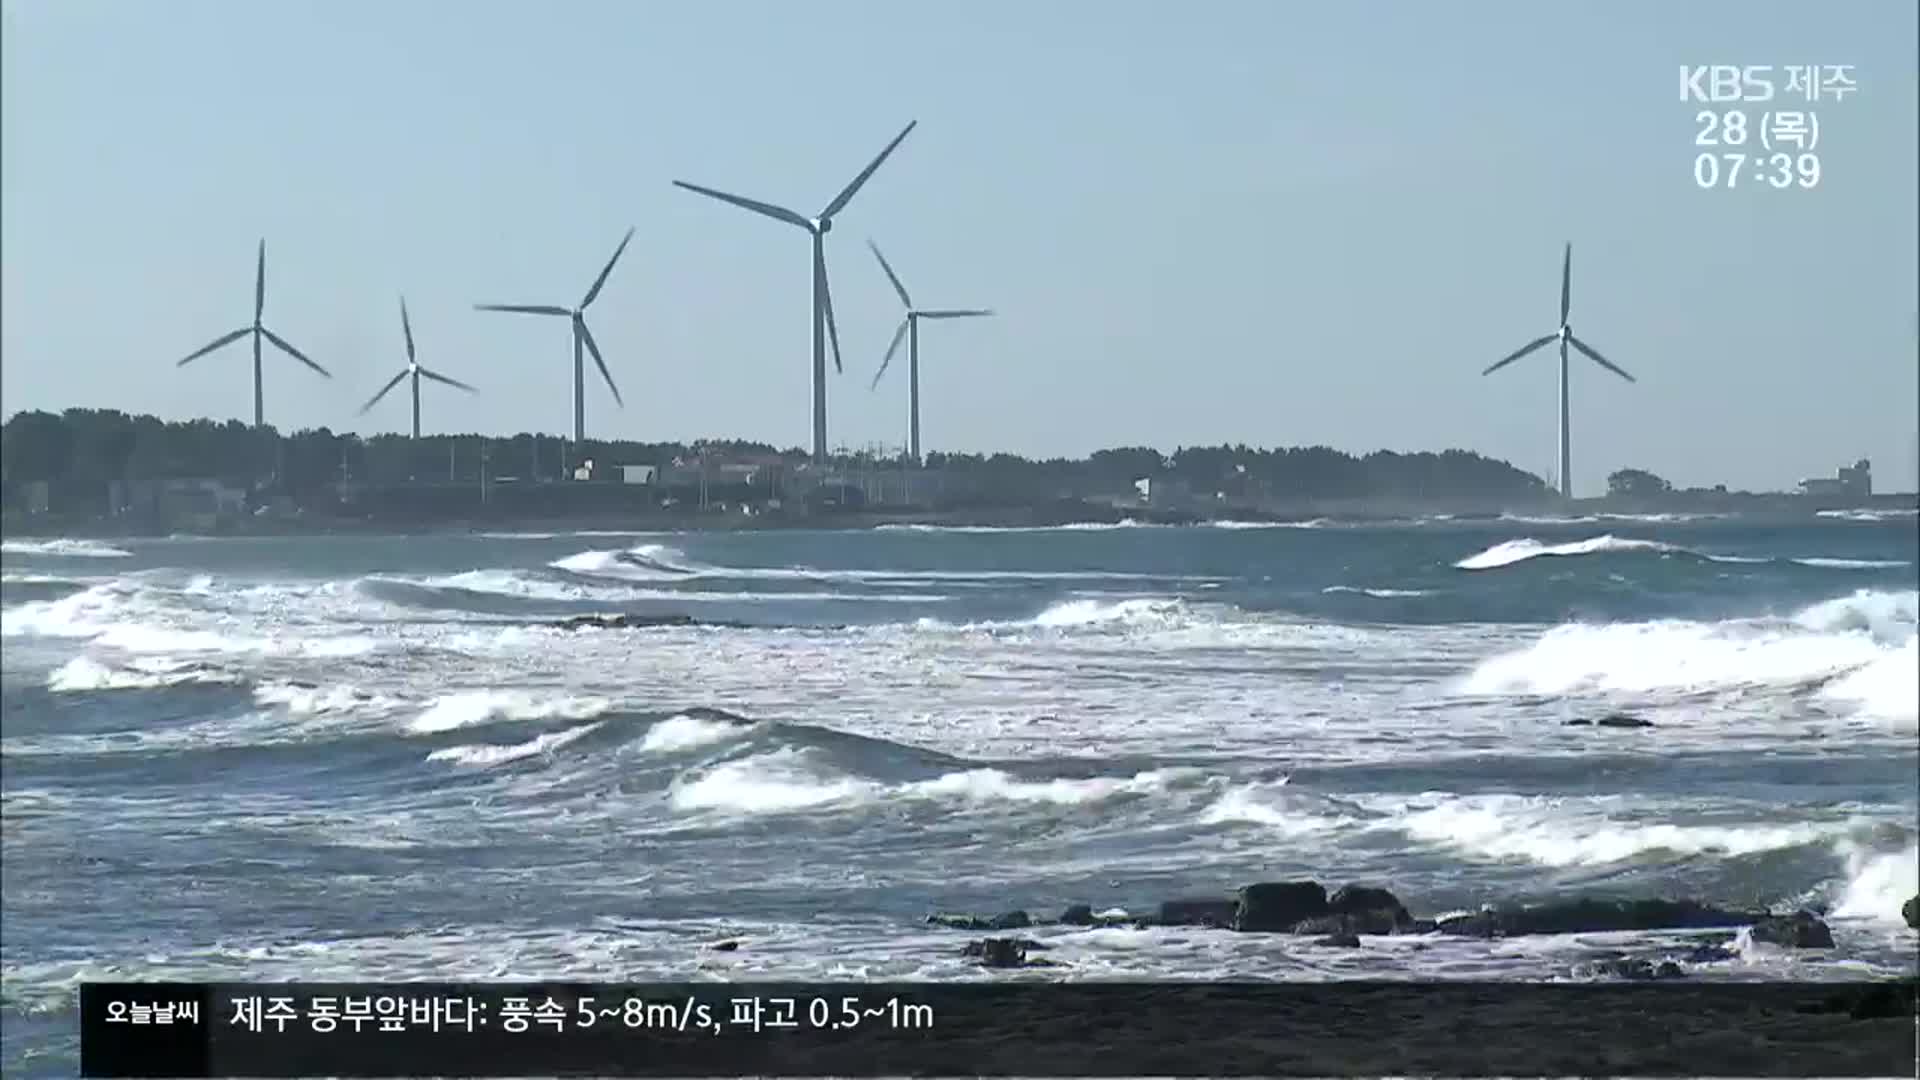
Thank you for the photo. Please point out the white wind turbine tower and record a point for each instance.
(413, 369)
(1564, 335)
(910, 327)
(581, 336)
(259, 330)
(818, 227)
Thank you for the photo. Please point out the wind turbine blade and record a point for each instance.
(586, 335)
(439, 378)
(293, 352)
(840, 201)
(955, 313)
(1566, 284)
(778, 213)
(826, 304)
(524, 309)
(1601, 360)
(260, 282)
(602, 279)
(891, 349)
(407, 325)
(224, 339)
(375, 399)
(1520, 352)
(891, 276)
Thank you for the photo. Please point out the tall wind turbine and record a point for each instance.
(414, 369)
(818, 227)
(1564, 335)
(581, 335)
(258, 330)
(910, 328)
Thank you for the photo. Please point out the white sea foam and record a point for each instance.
(1316, 523)
(1574, 832)
(1878, 883)
(1509, 552)
(1888, 686)
(678, 734)
(484, 754)
(73, 549)
(475, 707)
(83, 674)
(1379, 594)
(1852, 564)
(322, 700)
(792, 779)
(1889, 514)
(1261, 804)
(1827, 639)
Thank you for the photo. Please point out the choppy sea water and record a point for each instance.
(362, 758)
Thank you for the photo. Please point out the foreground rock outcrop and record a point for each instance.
(1305, 908)
(1910, 911)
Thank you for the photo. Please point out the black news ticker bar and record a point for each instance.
(1054, 1029)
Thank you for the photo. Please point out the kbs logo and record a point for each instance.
(1726, 82)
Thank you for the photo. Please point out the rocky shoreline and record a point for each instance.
(1337, 920)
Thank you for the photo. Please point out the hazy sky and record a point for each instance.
(1270, 222)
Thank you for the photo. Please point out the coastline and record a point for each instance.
(1602, 512)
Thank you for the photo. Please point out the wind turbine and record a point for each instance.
(414, 369)
(258, 330)
(1564, 335)
(818, 227)
(581, 335)
(910, 327)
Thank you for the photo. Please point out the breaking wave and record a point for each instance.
(1867, 637)
(473, 708)
(72, 549)
(1510, 552)
(83, 674)
(484, 754)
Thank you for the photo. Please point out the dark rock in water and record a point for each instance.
(1012, 920)
(1709, 954)
(1276, 907)
(622, 621)
(1637, 969)
(1205, 911)
(1360, 909)
(1339, 941)
(730, 945)
(1078, 915)
(1613, 720)
(1005, 953)
(1800, 930)
(1910, 911)
(1422, 926)
(1587, 916)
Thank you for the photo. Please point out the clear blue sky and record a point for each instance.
(1265, 221)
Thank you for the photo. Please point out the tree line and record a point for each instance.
(80, 452)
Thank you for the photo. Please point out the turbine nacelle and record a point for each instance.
(820, 226)
(1564, 332)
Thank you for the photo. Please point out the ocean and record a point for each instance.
(367, 758)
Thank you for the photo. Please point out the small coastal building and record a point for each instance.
(1851, 481)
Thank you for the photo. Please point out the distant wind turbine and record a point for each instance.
(581, 335)
(910, 328)
(414, 369)
(258, 330)
(1564, 335)
(818, 227)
